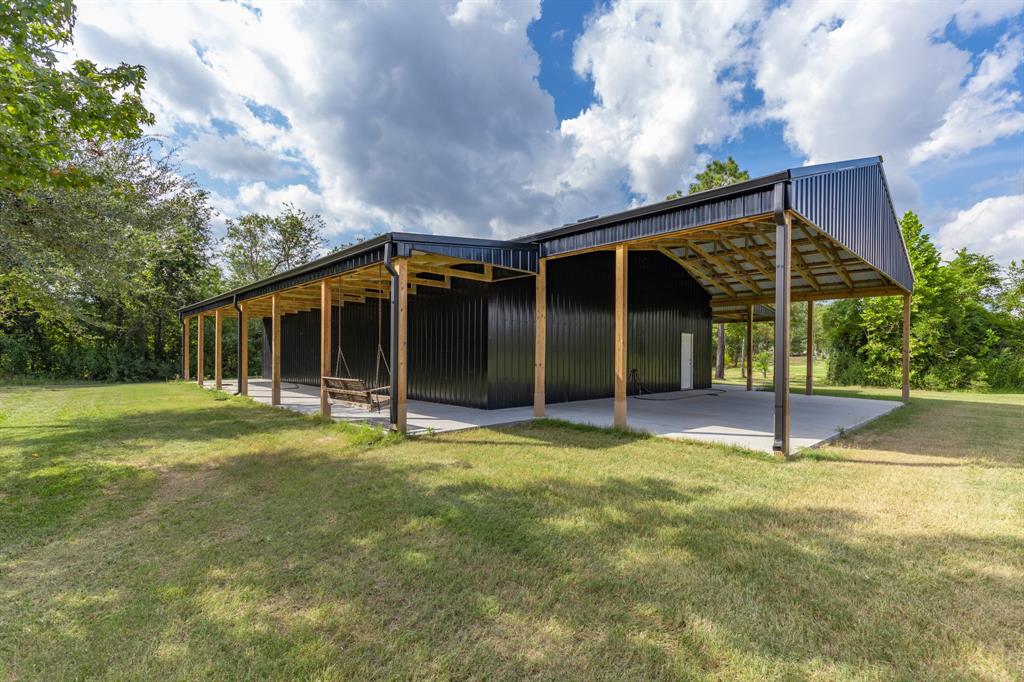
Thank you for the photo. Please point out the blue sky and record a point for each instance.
(496, 119)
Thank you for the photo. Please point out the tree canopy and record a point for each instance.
(258, 245)
(716, 174)
(967, 329)
(49, 117)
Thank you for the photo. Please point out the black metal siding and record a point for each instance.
(300, 339)
(447, 344)
(664, 302)
(510, 343)
(853, 207)
(756, 203)
(473, 344)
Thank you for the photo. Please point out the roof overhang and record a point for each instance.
(358, 271)
(845, 236)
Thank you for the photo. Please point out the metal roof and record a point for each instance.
(848, 200)
(510, 255)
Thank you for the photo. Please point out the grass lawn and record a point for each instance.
(163, 531)
(797, 374)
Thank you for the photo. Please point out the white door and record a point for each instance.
(686, 365)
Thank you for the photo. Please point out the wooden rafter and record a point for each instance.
(828, 252)
(697, 272)
(729, 269)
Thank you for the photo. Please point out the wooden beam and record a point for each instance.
(218, 356)
(783, 272)
(445, 283)
(243, 343)
(325, 344)
(749, 346)
(455, 272)
(621, 314)
(402, 367)
(275, 349)
(720, 262)
(809, 389)
(656, 238)
(803, 270)
(697, 272)
(906, 347)
(811, 295)
(540, 322)
(184, 349)
(758, 263)
(200, 368)
(829, 255)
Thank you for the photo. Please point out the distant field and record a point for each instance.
(162, 531)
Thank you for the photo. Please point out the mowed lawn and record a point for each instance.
(162, 531)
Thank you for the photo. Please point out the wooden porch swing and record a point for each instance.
(349, 390)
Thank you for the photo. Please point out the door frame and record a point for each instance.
(685, 341)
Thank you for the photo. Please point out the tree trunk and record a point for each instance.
(720, 359)
(743, 361)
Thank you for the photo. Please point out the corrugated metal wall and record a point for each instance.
(447, 344)
(473, 344)
(510, 343)
(664, 302)
(853, 207)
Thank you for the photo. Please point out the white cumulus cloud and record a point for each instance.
(667, 77)
(424, 116)
(993, 226)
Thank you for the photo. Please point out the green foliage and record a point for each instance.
(258, 245)
(92, 280)
(967, 328)
(716, 174)
(763, 362)
(49, 117)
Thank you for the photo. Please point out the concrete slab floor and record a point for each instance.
(723, 414)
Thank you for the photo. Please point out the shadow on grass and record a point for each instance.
(285, 564)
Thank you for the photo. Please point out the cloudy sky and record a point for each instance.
(495, 119)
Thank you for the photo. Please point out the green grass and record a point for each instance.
(797, 374)
(163, 531)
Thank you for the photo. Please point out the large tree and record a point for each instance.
(259, 245)
(50, 117)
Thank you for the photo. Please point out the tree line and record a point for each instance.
(103, 238)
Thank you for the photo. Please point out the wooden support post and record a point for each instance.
(402, 367)
(275, 349)
(218, 357)
(810, 348)
(200, 338)
(621, 313)
(783, 274)
(184, 349)
(749, 347)
(906, 347)
(243, 358)
(540, 321)
(325, 344)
